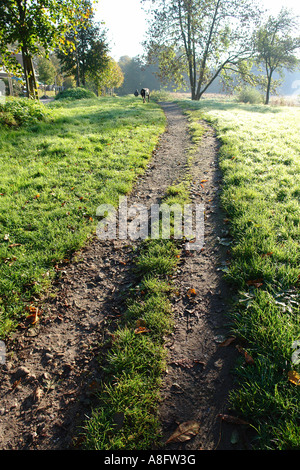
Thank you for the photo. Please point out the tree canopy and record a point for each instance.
(276, 47)
(26, 26)
(85, 51)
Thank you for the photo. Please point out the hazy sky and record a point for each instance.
(126, 23)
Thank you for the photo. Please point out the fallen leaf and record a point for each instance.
(267, 254)
(203, 181)
(14, 244)
(191, 292)
(141, 329)
(231, 419)
(34, 315)
(255, 283)
(227, 341)
(16, 383)
(184, 432)
(294, 377)
(249, 359)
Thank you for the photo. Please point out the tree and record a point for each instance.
(46, 71)
(109, 78)
(137, 75)
(200, 39)
(85, 51)
(276, 47)
(133, 77)
(26, 26)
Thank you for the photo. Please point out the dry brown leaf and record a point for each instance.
(255, 283)
(34, 315)
(184, 432)
(227, 341)
(16, 383)
(191, 292)
(231, 419)
(294, 377)
(249, 359)
(141, 329)
(267, 254)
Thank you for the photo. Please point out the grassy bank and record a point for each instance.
(54, 175)
(260, 161)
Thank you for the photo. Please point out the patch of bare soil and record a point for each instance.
(51, 374)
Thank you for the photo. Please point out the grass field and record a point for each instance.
(260, 161)
(54, 175)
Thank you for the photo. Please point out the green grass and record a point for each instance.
(136, 360)
(260, 161)
(54, 175)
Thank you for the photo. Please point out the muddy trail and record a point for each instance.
(50, 377)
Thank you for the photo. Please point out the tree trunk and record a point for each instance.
(77, 68)
(30, 79)
(268, 89)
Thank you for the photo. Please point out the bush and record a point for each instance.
(250, 95)
(15, 112)
(160, 95)
(75, 94)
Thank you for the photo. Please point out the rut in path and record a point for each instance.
(47, 383)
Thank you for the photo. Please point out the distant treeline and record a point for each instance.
(137, 75)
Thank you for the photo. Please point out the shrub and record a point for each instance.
(75, 94)
(15, 112)
(160, 95)
(250, 95)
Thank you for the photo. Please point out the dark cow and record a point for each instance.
(145, 92)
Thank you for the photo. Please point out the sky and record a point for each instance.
(126, 23)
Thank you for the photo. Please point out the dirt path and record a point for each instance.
(51, 374)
